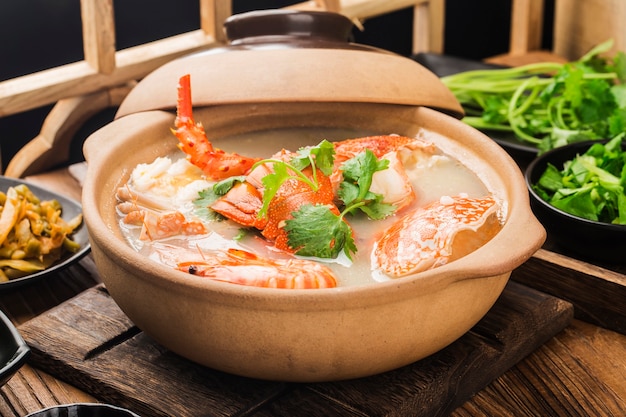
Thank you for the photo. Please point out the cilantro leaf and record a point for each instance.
(360, 169)
(272, 182)
(548, 104)
(316, 231)
(375, 208)
(354, 190)
(317, 157)
(222, 187)
(590, 185)
(323, 154)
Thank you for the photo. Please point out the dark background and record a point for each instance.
(40, 34)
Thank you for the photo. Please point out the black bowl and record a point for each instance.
(13, 349)
(586, 239)
(84, 410)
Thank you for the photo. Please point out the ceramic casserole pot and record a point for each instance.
(301, 335)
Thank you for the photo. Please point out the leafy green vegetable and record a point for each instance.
(315, 230)
(548, 104)
(319, 157)
(590, 185)
(354, 190)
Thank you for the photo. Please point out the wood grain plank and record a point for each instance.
(125, 367)
(24, 302)
(562, 377)
(99, 34)
(597, 293)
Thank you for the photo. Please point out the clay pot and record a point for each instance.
(301, 335)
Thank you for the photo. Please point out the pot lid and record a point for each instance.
(306, 62)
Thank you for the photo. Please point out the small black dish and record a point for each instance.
(13, 349)
(588, 239)
(84, 410)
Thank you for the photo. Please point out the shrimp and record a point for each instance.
(238, 266)
(159, 225)
(215, 163)
(156, 221)
(434, 235)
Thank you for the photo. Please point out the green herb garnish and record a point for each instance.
(548, 104)
(354, 190)
(591, 185)
(316, 230)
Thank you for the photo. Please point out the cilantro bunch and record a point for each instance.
(548, 104)
(316, 229)
(591, 185)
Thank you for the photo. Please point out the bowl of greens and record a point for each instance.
(577, 192)
(541, 106)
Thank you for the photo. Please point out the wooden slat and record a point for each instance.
(526, 26)
(580, 283)
(49, 86)
(102, 68)
(212, 15)
(99, 34)
(561, 378)
(365, 9)
(581, 25)
(428, 26)
(52, 146)
(578, 26)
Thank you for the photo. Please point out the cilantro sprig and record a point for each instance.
(354, 190)
(319, 157)
(591, 185)
(548, 104)
(316, 231)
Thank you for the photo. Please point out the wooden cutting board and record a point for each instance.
(88, 342)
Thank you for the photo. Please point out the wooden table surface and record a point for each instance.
(579, 372)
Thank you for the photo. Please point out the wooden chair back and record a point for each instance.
(578, 26)
(103, 78)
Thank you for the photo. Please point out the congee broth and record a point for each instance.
(172, 183)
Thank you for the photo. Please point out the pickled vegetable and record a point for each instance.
(33, 235)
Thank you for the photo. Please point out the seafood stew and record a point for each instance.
(343, 212)
(302, 334)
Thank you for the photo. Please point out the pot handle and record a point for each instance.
(523, 232)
